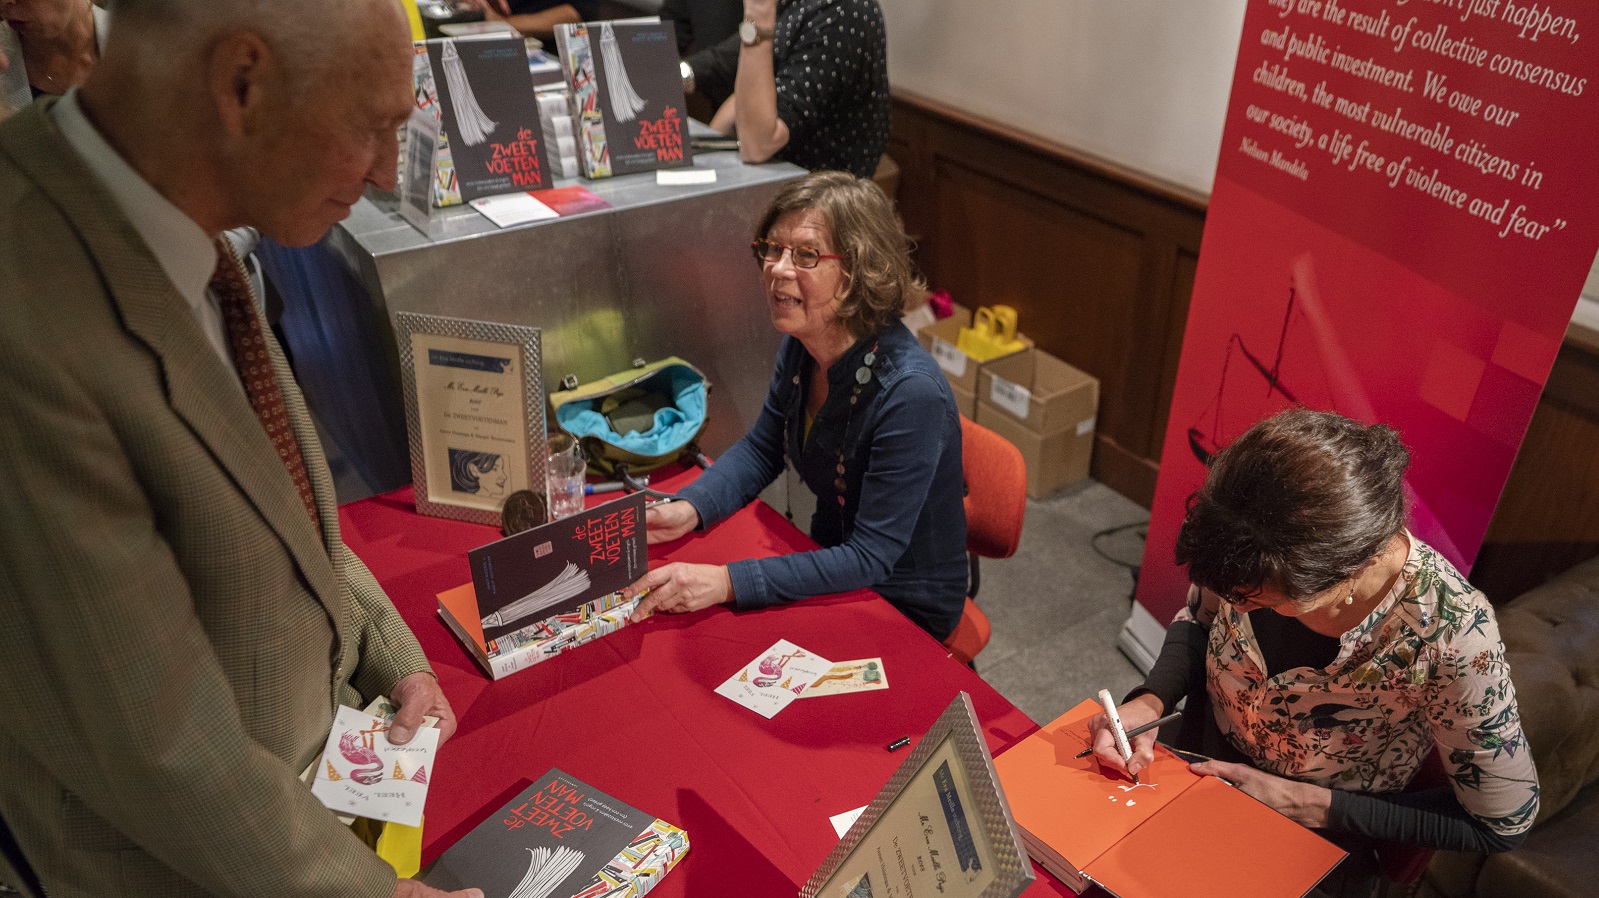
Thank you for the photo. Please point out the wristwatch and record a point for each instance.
(750, 34)
(687, 71)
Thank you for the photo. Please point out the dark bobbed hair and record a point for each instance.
(1298, 504)
(867, 233)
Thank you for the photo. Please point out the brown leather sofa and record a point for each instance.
(1551, 636)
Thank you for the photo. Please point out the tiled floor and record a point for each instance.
(1057, 606)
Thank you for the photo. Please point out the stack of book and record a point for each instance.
(549, 589)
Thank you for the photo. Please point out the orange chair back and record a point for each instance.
(996, 491)
(970, 635)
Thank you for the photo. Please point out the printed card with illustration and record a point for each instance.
(774, 678)
(845, 677)
(362, 773)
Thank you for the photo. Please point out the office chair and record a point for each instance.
(996, 502)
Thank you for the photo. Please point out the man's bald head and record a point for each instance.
(269, 113)
(312, 34)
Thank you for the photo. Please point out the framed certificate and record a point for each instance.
(474, 412)
(939, 829)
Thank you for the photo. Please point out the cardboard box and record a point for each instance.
(1047, 409)
(1055, 461)
(1041, 392)
(922, 316)
(941, 339)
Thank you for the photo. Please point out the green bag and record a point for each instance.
(643, 418)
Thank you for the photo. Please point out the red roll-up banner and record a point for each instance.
(1405, 209)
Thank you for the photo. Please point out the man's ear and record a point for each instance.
(239, 68)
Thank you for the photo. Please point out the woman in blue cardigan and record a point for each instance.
(857, 406)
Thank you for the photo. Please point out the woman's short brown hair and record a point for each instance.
(865, 231)
(1297, 504)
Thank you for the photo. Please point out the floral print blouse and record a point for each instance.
(1425, 667)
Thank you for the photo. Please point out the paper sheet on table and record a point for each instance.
(512, 209)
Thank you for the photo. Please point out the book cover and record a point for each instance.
(627, 95)
(562, 838)
(483, 93)
(1088, 825)
(558, 567)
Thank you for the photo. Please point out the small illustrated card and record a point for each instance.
(864, 675)
(776, 677)
(361, 773)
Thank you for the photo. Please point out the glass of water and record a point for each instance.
(564, 467)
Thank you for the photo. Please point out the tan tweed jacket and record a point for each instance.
(173, 634)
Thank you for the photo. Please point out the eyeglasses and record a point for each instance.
(771, 252)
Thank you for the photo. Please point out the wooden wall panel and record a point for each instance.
(1097, 261)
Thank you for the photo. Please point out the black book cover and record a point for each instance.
(551, 840)
(628, 92)
(554, 568)
(489, 114)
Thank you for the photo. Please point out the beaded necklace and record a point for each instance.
(863, 376)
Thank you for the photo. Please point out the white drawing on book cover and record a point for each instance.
(625, 101)
(473, 122)
(546, 869)
(567, 584)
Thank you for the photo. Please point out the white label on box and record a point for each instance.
(1012, 397)
(949, 357)
(1085, 426)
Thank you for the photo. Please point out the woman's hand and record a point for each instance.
(668, 521)
(1303, 803)
(1141, 710)
(679, 587)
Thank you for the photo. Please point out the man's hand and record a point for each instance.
(680, 587)
(669, 520)
(417, 696)
(410, 888)
(1134, 714)
(1303, 803)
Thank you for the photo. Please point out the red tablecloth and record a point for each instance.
(634, 713)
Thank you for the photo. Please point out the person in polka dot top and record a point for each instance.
(812, 85)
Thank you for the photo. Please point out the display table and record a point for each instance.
(634, 713)
(663, 271)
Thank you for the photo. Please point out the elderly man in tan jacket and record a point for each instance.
(180, 615)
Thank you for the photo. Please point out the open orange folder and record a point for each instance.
(1177, 835)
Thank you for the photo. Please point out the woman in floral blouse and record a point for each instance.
(1336, 652)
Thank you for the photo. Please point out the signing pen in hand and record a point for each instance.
(1139, 731)
(1122, 745)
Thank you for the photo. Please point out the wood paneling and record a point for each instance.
(1548, 517)
(1097, 260)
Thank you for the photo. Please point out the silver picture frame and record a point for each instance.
(993, 835)
(474, 413)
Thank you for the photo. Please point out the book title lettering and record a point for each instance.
(555, 808)
(519, 159)
(664, 136)
(605, 536)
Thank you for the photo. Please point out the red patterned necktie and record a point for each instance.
(254, 364)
